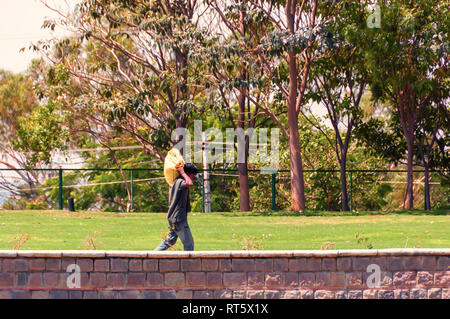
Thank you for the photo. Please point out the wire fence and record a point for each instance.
(145, 189)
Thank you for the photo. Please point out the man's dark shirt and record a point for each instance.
(179, 203)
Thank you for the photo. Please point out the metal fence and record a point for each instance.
(367, 189)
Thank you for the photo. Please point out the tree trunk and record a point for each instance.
(244, 205)
(343, 175)
(409, 188)
(427, 198)
(297, 181)
(244, 199)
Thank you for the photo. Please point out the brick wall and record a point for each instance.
(349, 274)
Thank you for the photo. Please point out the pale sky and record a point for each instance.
(20, 25)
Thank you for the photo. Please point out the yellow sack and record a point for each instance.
(173, 160)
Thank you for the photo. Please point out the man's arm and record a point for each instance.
(187, 179)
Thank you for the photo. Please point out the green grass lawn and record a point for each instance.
(223, 231)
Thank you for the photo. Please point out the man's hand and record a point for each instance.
(187, 179)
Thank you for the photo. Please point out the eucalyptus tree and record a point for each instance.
(407, 61)
(235, 76)
(132, 62)
(17, 99)
(284, 55)
(338, 81)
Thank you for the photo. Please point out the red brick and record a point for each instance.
(195, 279)
(425, 278)
(411, 262)
(136, 279)
(35, 280)
(66, 262)
(428, 263)
(116, 280)
(203, 294)
(169, 265)
(155, 279)
(355, 294)
(442, 278)
(53, 264)
(291, 279)
(58, 294)
(344, 264)
(435, 293)
(306, 279)
(443, 263)
(184, 294)
(353, 280)
(150, 265)
(135, 265)
(6, 280)
(234, 279)
(40, 294)
(191, 265)
(361, 263)
(90, 294)
(274, 279)
(290, 294)
(209, 264)
(280, 264)
(9, 265)
(264, 264)
(323, 280)
(214, 279)
(256, 279)
(119, 264)
(225, 264)
(337, 279)
(101, 265)
(243, 264)
(272, 294)
(36, 264)
(329, 264)
(224, 294)
(21, 265)
(85, 264)
(446, 293)
(370, 294)
(5, 294)
(51, 279)
(97, 280)
(21, 279)
(21, 294)
(174, 279)
(313, 264)
(404, 278)
(396, 263)
(297, 264)
(323, 294)
(255, 294)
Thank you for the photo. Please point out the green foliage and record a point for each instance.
(41, 132)
(16, 100)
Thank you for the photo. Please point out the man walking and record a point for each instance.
(179, 207)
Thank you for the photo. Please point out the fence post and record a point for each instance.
(274, 204)
(351, 190)
(203, 196)
(60, 195)
(131, 189)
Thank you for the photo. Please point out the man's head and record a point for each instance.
(191, 170)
